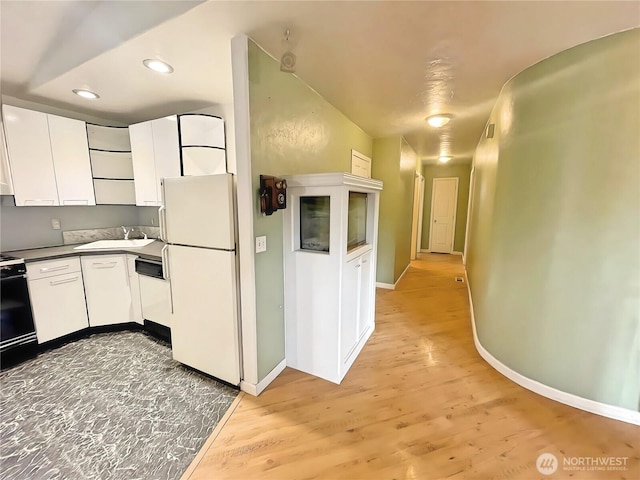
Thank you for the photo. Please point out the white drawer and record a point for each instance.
(50, 268)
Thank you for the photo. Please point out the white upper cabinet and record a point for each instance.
(70, 151)
(49, 158)
(34, 180)
(197, 130)
(6, 184)
(202, 139)
(156, 155)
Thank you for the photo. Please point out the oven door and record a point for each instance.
(16, 320)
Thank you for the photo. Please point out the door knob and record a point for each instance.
(435, 221)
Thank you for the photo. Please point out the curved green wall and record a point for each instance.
(554, 247)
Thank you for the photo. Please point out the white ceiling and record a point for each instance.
(385, 64)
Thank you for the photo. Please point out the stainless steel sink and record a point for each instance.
(115, 244)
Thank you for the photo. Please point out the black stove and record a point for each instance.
(17, 329)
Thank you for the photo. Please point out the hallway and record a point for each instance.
(419, 403)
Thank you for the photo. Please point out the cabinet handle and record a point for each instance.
(358, 266)
(54, 269)
(60, 282)
(365, 261)
(104, 264)
(38, 201)
(75, 202)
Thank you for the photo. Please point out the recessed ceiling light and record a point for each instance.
(444, 158)
(157, 65)
(439, 120)
(85, 93)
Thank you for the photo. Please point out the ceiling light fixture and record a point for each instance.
(157, 65)
(444, 158)
(85, 94)
(439, 120)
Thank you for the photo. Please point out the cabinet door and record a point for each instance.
(350, 308)
(144, 170)
(27, 132)
(135, 313)
(365, 317)
(166, 150)
(58, 305)
(70, 152)
(198, 130)
(106, 285)
(6, 184)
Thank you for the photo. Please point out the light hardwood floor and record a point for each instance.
(419, 403)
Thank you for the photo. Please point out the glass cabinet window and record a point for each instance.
(314, 223)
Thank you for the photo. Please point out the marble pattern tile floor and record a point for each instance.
(108, 406)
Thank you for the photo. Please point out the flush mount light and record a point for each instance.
(85, 94)
(444, 158)
(439, 120)
(157, 65)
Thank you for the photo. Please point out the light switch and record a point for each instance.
(261, 244)
(55, 224)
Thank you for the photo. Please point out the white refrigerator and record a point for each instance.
(197, 222)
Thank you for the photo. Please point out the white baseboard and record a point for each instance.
(603, 409)
(429, 251)
(392, 286)
(255, 390)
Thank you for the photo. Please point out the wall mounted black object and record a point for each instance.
(273, 194)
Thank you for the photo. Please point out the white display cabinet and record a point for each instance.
(330, 248)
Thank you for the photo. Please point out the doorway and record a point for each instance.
(444, 203)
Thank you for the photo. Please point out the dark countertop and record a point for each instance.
(151, 251)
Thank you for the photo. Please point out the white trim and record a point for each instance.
(425, 250)
(421, 212)
(469, 205)
(247, 274)
(255, 390)
(455, 210)
(456, 253)
(392, 286)
(332, 179)
(603, 409)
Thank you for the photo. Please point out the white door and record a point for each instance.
(144, 167)
(416, 224)
(444, 201)
(198, 211)
(204, 323)
(29, 148)
(70, 151)
(107, 289)
(166, 150)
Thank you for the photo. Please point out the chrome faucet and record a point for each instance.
(126, 232)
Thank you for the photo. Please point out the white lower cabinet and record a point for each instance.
(57, 298)
(357, 284)
(135, 314)
(107, 289)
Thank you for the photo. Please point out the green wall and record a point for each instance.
(463, 173)
(293, 131)
(553, 256)
(394, 162)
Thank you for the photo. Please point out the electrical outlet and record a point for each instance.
(261, 244)
(55, 224)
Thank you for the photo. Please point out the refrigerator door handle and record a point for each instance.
(165, 262)
(165, 272)
(162, 217)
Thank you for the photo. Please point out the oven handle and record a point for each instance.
(13, 277)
